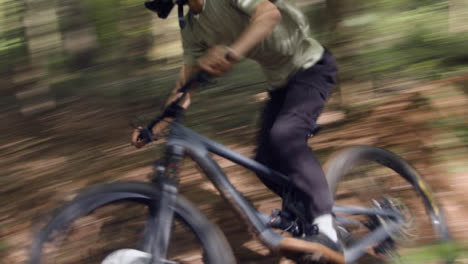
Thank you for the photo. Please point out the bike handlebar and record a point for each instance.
(201, 76)
(173, 109)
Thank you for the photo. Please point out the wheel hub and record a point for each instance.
(406, 231)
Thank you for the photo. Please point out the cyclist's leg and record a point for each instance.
(264, 151)
(304, 169)
(306, 94)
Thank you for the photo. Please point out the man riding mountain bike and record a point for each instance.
(217, 34)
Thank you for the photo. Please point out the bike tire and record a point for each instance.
(215, 246)
(342, 164)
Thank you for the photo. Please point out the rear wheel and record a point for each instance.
(110, 217)
(374, 177)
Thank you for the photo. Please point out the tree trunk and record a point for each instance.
(43, 40)
(79, 36)
(458, 16)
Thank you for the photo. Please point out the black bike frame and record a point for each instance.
(199, 148)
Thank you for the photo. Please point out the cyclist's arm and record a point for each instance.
(262, 22)
(264, 17)
(186, 73)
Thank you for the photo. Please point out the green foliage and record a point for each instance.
(105, 15)
(3, 248)
(414, 41)
(431, 253)
(400, 5)
(116, 19)
(13, 47)
(456, 126)
(461, 131)
(394, 39)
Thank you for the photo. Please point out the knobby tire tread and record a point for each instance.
(213, 241)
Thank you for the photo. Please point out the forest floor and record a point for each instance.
(46, 161)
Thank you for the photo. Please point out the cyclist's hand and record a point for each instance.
(161, 126)
(215, 61)
(137, 140)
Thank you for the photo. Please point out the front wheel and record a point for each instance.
(110, 217)
(374, 177)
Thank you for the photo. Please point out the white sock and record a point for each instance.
(127, 256)
(325, 226)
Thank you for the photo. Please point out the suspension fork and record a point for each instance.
(159, 223)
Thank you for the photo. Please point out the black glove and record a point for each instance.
(146, 134)
(173, 110)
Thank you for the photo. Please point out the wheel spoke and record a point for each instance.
(375, 178)
(358, 249)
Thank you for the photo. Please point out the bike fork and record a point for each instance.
(159, 223)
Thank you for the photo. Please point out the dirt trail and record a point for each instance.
(426, 125)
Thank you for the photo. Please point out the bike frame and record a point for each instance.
(183, 141)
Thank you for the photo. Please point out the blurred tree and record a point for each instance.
(342, 40)
(104, 15)
(385, 45)
(335, 13)
(376, 42)
(79, 36)
(458, 16)
(135, 25)
(43, 41)
(13, 48)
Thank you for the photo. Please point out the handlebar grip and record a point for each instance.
(145, 135)
(200, 77)
(173, 110)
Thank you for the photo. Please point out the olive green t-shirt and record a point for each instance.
(286, 50)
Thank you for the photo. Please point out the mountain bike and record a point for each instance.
(381, 203)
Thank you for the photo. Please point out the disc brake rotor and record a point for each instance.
(406, 234)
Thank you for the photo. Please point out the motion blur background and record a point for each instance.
(73, 74)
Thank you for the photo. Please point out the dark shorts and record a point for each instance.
(287, 120)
